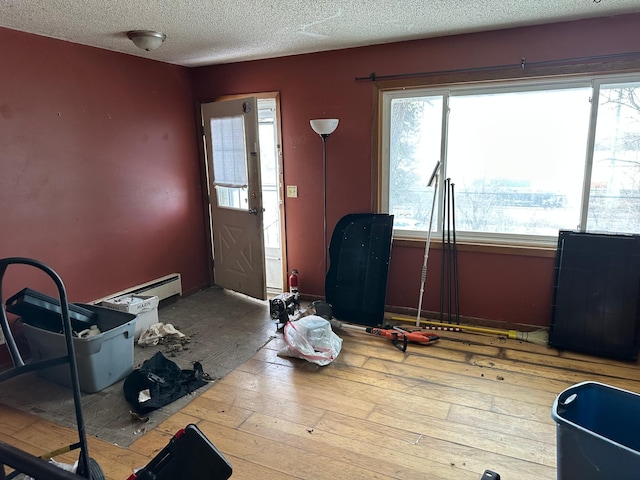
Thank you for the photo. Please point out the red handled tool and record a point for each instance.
(399, 337)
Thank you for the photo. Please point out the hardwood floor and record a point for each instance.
(449, 410)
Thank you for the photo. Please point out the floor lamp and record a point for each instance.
(324, 127)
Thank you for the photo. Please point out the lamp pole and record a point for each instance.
(324, 127)
(324, 196)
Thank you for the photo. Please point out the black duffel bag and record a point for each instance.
(159, 381)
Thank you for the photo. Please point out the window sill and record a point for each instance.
(468, 246)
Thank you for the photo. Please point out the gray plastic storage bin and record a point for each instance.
(102, 359)
(597, 433)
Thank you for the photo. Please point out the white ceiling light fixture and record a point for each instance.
(146, 39)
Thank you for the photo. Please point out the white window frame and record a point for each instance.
(387, 95)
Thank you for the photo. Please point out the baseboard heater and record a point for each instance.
(163, 288)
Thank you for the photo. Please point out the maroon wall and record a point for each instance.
(99, 168)
(100, 175)
(512, 288)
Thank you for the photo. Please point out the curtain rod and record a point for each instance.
(523, 64)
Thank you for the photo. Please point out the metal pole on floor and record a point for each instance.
(443, 256)
(449, 253)
(455, 255)
(423, 275)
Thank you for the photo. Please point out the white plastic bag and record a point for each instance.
(157, 332)
(311, 339)
(64, 466)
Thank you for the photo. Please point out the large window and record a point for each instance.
(525, 159)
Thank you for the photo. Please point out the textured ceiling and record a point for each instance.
(204, 32)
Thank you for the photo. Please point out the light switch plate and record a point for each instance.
(292, 191)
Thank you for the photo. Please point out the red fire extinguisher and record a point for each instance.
(293, 282)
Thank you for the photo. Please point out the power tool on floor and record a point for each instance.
(283, 305)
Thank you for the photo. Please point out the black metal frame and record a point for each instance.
(20, 461)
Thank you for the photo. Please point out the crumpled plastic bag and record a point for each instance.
(311, 339)
(157, 332)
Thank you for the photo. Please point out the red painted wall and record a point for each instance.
(100, 175)
(99, 168)
(509, 288)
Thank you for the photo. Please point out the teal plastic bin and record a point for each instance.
(597, 433)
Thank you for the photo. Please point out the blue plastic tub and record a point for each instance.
(597, 433)
(102, 360)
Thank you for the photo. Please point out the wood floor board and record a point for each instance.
(522, 409)
(116, 462)
(444, 411)
(21, 444)
(488, 368)
(616, 370)
(432, 450)
(427, 389)
(13, 420)
(283, 457)
(376, 394)
(593, 359)
(248, 469)
(558, 375)
(479, 380)
(46, 436)
(397, 464)
(222, 412)
(150, 443)
(277, 406)
(519, 373)
(503, 423)
(513, 445)
(175, 422)
(304, 389)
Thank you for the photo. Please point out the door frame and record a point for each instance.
(207, 194)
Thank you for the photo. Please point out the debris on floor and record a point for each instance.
(157, 333)
(137, 417)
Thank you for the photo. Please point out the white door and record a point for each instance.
(233, 162)
(271, 176)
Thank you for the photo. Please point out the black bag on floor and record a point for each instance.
(158, 382)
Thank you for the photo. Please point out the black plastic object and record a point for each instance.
(105, 318)
(95, 471)
(189, 454)
(43, 311)
(490, 475)
(356, 284)
(596, 294)
(322, 309)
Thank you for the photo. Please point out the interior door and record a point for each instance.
(233, 161)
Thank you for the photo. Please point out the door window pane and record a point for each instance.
(229, 162)
(614, 200)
